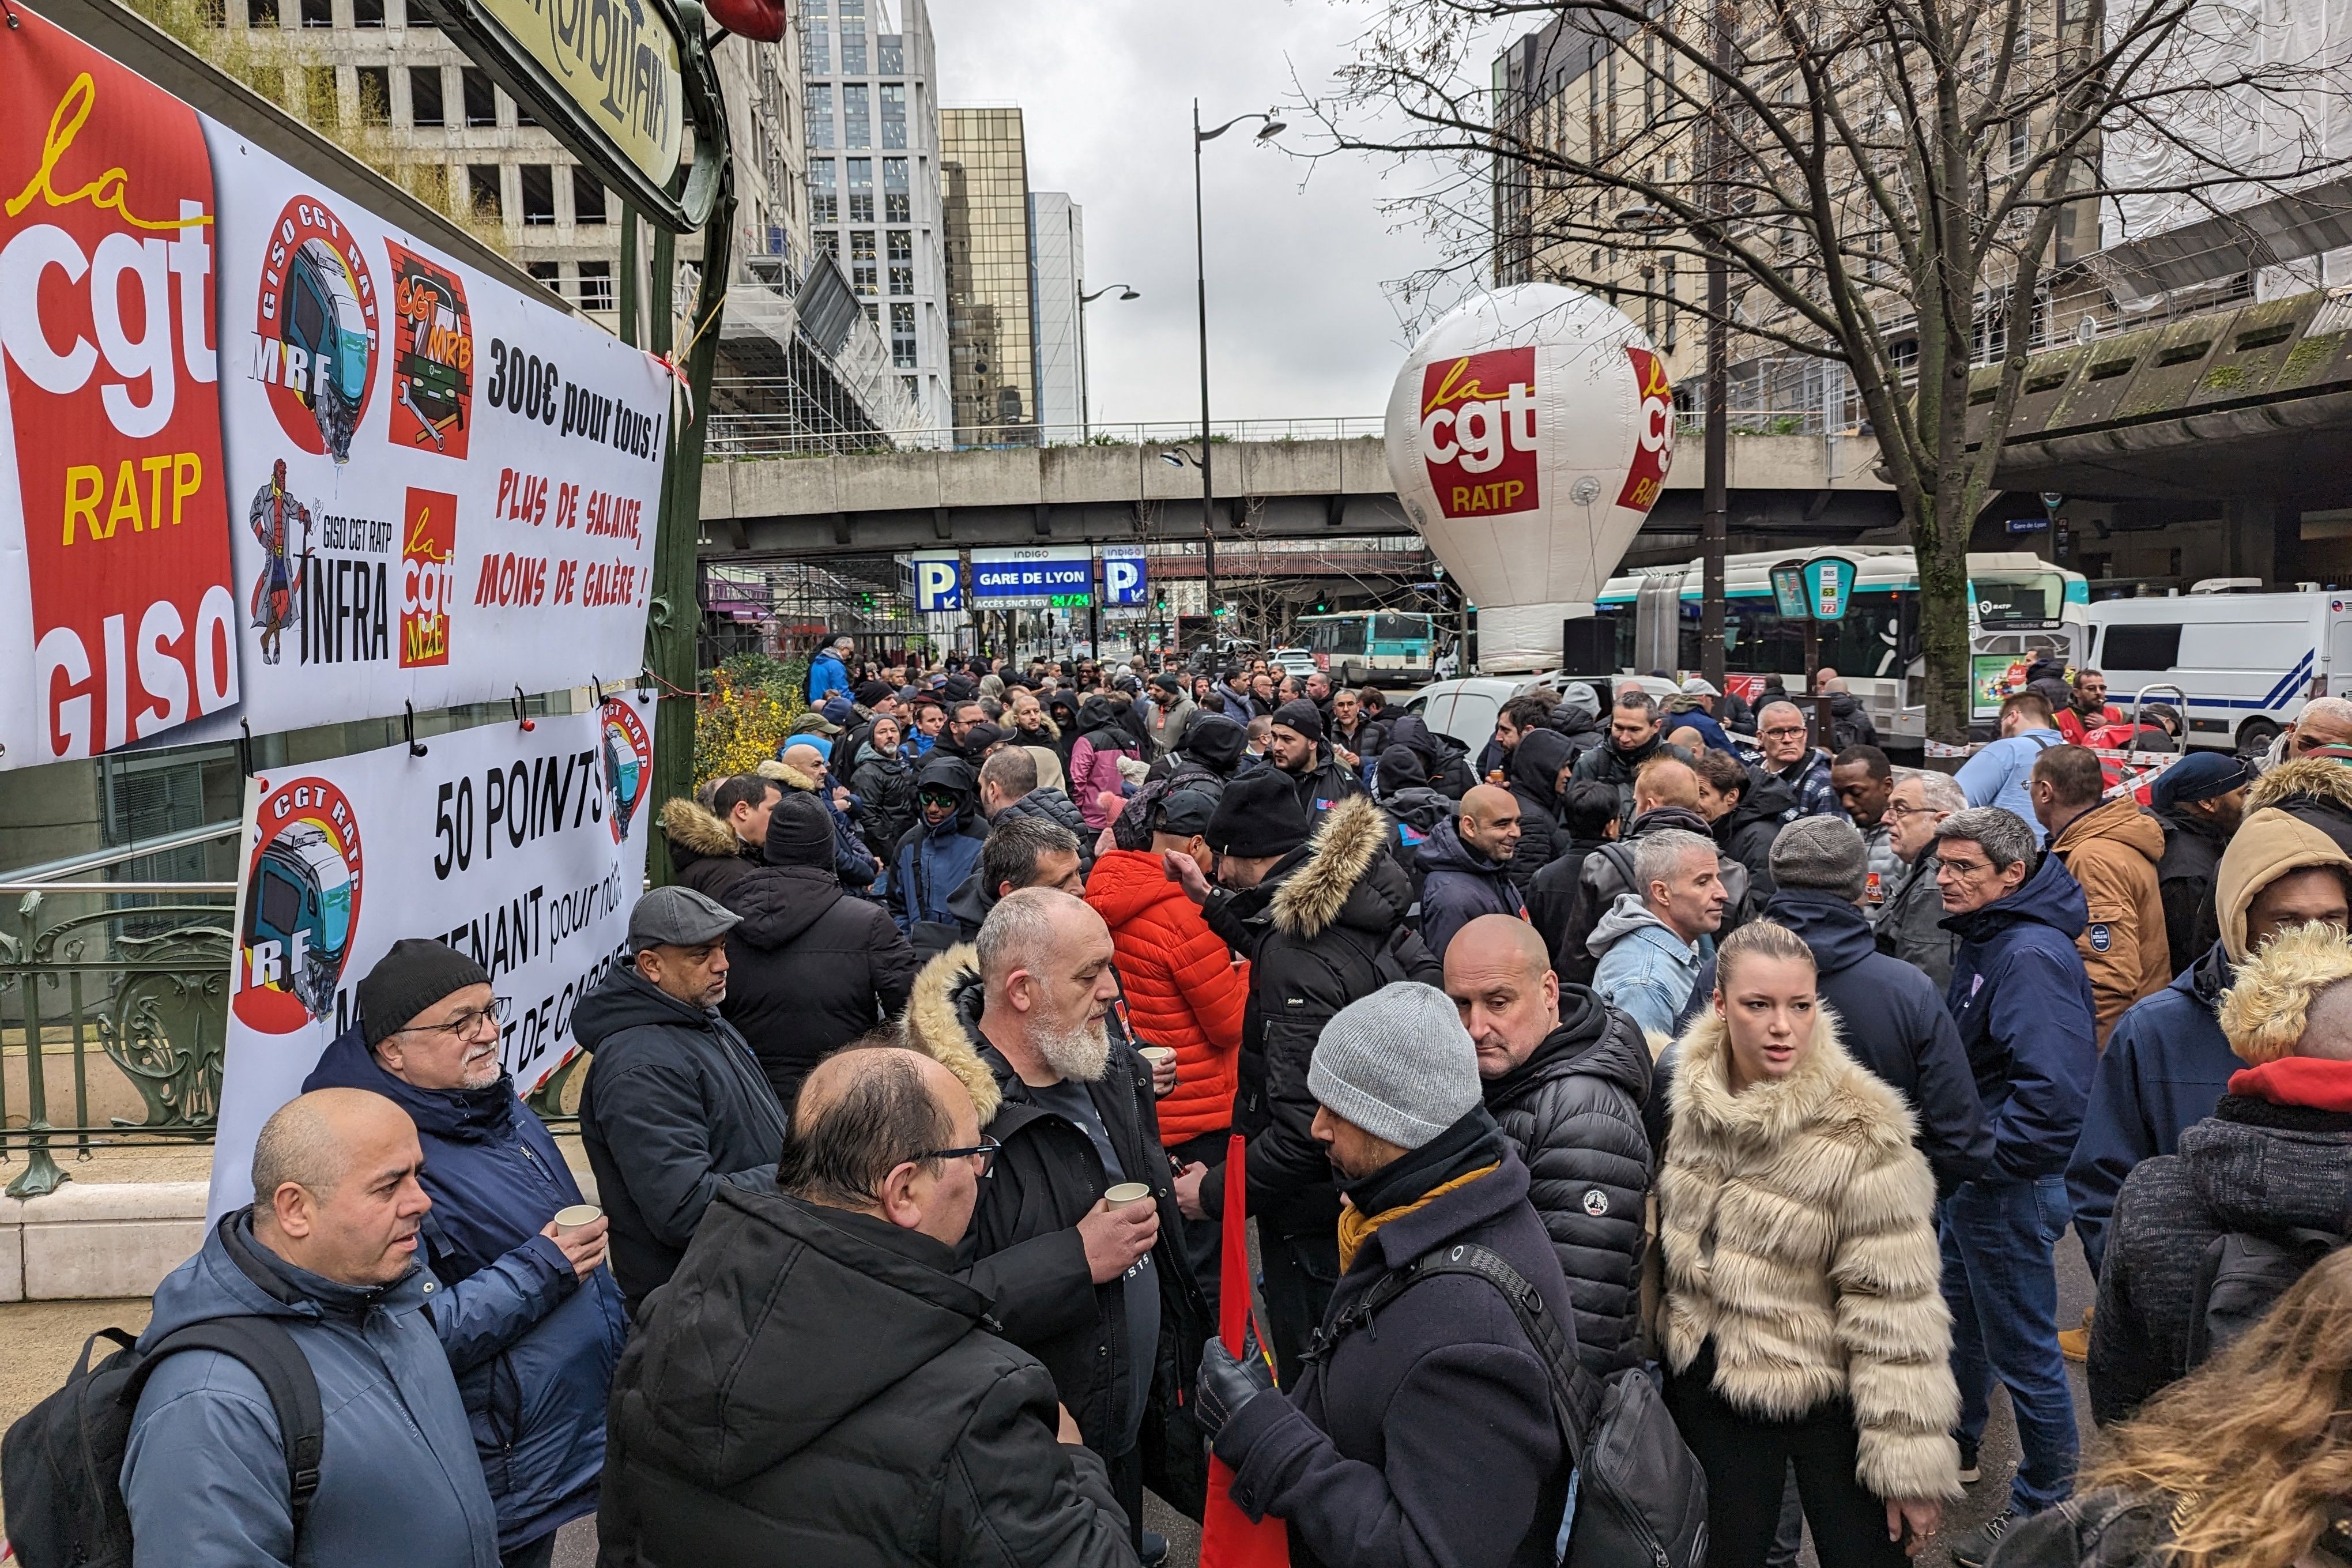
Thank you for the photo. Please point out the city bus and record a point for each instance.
(2020, 608)
(1357, 646)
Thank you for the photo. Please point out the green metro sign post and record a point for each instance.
(1813, 591)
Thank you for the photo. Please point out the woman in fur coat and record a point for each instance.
(1802, 1320)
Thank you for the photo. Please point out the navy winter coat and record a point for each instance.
(1457, 885)
(2166, 1067)
(2023, 1000)
(537, 1403)
(1891, 1021)
(932, 861)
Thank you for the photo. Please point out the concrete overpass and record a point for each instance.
(757, 508)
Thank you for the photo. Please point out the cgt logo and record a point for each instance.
(1478, 432)
(428, 578)
(1655, 452)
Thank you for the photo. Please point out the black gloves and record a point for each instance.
(1227, 1382)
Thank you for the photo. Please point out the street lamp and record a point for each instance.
(1266, 132)
(1086, 394)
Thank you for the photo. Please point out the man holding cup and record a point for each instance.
(1087, 1273)
(530, 1318)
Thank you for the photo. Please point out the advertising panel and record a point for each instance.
(524, 849)
(117, 610)
(1033, 576)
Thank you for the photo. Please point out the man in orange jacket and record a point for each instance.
(2112, 847)
(1184, 988)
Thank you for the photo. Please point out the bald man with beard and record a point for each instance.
(1465, 866)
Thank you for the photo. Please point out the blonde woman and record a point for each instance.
(1802, 1320)
(2246, 1463)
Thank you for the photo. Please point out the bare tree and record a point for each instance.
(1897, 186)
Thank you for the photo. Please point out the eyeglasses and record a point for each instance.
(933, 797)
(464, 1022)
(985, 1151)
(1968, 868)
(1897, 809)
(1783, 731)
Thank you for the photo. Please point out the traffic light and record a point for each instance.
(1321, 606)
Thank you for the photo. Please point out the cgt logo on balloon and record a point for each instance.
(1655, 452)
(1478, 433)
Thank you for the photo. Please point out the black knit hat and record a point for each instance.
(869, 692)
(800, 831)
(1259, 815)
(417, 972)
(1300, 715)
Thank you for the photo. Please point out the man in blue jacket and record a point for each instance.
(935, 856)
(328, 1250)
(2001, 773)
(829, 672)
(1465, 867)
(2021, 1000)
(534, 1382)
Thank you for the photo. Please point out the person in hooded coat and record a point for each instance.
(2198, 802)
(883, 779)
(1444, 761)
(1588, 819)
(1765, 805)
(1208, 755)
(936, 854)
(1534, 777)
(1105, 738)
(707, 852)
(1618, 758)
(811, 968)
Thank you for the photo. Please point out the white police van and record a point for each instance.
(2247, 660)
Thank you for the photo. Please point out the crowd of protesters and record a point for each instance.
(1763, 1077)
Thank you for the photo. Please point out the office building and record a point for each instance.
(1057, 266)
(992, 338)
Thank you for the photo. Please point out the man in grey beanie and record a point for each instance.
(1433, 1436)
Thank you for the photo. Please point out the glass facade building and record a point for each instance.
(992, 334)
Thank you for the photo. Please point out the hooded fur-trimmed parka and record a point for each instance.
(1796, 1223)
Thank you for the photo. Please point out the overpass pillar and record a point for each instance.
(2264, 539)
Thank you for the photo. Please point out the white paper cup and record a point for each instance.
(572, 1219)
(1127, 1193)
(1158, 1056)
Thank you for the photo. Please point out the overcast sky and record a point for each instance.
(1299, 325)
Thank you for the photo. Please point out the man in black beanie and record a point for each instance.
(428, 1040)
(1298, 752)
(810, 968)
(1322, 920)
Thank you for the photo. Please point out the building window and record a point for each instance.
(481, 98)
(861, 190)
(894, 115)
(261, 13)
(522, 115)
(482, 192)
(828, 243)
(549, 273)
(537, 194)
(318, 12)
(424, 95)
(890, 49)
(898, 206)
(820, 49)
(375, 95)
(901, 244)
(596, 285)
(902, 279)
(367, 13)
(820, 114)
(319, 102)
(862, 277)
(856, 116)
(902, 336)
(429, 184)
(587, 196)
(852, 45)
(415, 14)
(824, 202)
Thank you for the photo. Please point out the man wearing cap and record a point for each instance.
(533, 1320)
(1321, 919)
(828, 673)
(1428, 1435)
(1689, 710)
(1298, 749)
(2198, 802)
(675, 1103)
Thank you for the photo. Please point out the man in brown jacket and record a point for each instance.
(2112, 849)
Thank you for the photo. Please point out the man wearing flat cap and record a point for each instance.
(675, 1104)
(1296, 747)
(2198, 802)
(531, 1319)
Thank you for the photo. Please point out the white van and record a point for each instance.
(2248, 662)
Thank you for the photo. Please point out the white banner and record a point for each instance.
(525, 849)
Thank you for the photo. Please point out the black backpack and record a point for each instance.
(61, 1463)
(1641, 1499)
(2242, 1276)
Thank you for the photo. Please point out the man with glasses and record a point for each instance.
(676, 1105)
(533, 1320)
(1791, 757)
(2022, 1002)
(822, 1387)
(1909, 924)
(1101, 1293)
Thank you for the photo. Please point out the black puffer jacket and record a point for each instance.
(2184, 881)
(1446, 759)
(2251, 1165)
(810, 970)
(1745, 832)
(1573, 1111)
(817, 1387)
(1606, 763)
(1534, 776)
(675, 1107)
(1211, 750)
(1458, 884)
(1326, 927)
(1551, 897)
(885, 788)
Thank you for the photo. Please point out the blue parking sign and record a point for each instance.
(939, 582)
(1123, 574)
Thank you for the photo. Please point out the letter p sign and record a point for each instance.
(938, 585)
(1122, 581)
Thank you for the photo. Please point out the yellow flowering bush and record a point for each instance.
(746, 710)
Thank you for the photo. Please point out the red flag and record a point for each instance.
(1228, 1538)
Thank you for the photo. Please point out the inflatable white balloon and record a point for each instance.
(1529, 434)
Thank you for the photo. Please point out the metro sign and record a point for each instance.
(1478, 433)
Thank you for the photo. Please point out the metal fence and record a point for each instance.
(769, 435)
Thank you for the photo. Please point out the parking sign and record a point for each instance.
(939, 582)
(1123, 574)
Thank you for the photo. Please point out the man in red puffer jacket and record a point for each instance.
(1183, 988)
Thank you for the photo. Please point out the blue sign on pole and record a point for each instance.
(1123, 576)
(939, 584)
(1038, 575)
(1829, 586)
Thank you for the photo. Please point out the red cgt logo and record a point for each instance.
(1478, 432)
(1654, 451)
